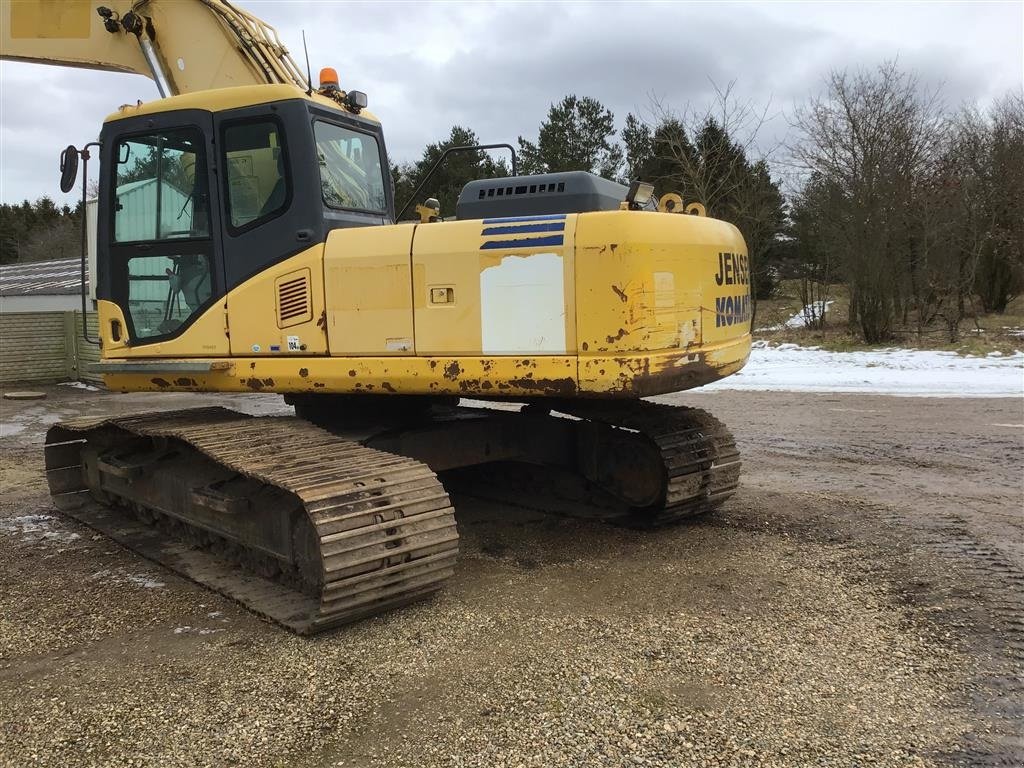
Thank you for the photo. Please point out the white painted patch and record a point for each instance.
(664, 291)
(522, 306)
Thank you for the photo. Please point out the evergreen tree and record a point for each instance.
(713, 169)
(40, 230)
(578, 135)
(639, 144)
(448, 180)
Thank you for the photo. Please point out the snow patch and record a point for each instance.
(143, 580)
(36, 528)
(79, 385)
(894, 371)
(146, 582)
(186, 630)
(803, 318)
(10, 430)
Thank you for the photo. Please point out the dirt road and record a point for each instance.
(859, 602)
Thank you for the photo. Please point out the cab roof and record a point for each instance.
(220, 99)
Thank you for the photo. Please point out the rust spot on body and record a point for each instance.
(303, 372)
(566, 386)
(185, 382)
(386, 386)
(161, 382)
(612, 339)
(256, 384)
(352, 372)
(452, 370)
(620, 293)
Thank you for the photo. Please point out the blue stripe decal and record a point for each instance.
(526, 242)
(554, 226)
(515, 219)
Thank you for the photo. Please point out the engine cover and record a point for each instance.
(543, 193)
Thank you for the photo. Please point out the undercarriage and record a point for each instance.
(338, 514)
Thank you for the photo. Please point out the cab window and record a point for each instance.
(161, 187)
(350, 170)
(165, 292)
(257, 181)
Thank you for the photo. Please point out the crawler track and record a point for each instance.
(364, 531)
(700, 458)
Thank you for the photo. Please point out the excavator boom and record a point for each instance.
(184, 45)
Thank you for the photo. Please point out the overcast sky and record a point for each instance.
(497, 67)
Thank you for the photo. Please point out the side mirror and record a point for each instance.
(68, 168)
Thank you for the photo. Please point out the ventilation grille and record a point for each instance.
(521, 189)
(293, 299)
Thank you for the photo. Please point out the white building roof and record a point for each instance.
(38, 278)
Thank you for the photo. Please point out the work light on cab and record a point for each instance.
(639, 195)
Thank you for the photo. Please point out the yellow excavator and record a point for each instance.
(247, 241)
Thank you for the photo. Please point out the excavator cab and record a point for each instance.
(195, 201)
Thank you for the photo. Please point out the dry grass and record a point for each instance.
(979, 335)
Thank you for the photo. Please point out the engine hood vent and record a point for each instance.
(294, 302)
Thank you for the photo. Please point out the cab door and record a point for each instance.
(164, 267)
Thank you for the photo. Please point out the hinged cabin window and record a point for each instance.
(256, 176)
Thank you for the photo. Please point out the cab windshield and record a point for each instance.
(350, 171)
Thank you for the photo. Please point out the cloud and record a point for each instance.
(497, 67)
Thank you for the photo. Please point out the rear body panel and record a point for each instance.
(603, 304)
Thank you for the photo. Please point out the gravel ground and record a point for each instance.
(859, 602)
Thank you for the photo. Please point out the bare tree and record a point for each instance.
(819, 246)
(874, 136)
(997, 161)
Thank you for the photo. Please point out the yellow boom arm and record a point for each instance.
(184, 45)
